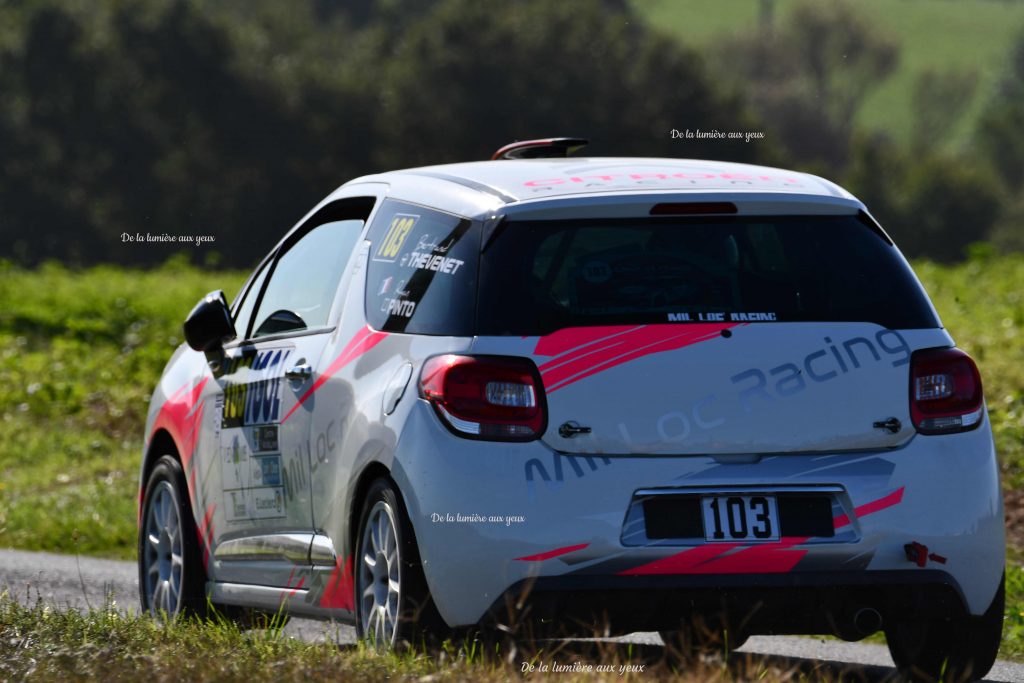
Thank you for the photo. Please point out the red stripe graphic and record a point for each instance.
(181, 415)
(205, 532)
(339, 591)
(715, 558)
(767, 558)
(585, 351)
(364, 340)
(290, 590)
(682, 563)
(540, 557)
(894, 498)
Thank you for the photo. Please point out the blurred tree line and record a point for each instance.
(233, 117)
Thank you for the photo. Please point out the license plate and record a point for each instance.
(740, 518)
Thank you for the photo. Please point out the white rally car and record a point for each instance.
(579, 390)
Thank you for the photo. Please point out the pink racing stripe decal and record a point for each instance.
(576, 338)
(894, 498)
(296, 587)
(582, 352)
(205, 532)
(181, 415)
(683, 562)
(339, 591)
(540, 557)
(767, 558)
(716, 558)
(364, 340)
(290, 590)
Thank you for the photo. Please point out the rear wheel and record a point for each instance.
(393, 603)
(950, 650)
(172, 579)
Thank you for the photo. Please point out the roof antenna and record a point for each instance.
(547, 148)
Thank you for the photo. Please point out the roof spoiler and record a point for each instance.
(547, 148)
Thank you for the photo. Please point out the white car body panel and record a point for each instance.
(692, 431)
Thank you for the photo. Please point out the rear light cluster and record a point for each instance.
(945, 391)
(496, 398)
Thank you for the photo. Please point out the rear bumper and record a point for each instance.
(571, 519)
(758, 604)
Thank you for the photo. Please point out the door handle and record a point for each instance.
(300, 373)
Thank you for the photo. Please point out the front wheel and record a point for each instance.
(393, 603)
(948, 650)
(172, 579)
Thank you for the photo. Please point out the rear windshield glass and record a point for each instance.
(537, 277)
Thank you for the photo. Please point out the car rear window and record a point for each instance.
(537, 277)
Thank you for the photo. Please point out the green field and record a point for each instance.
(81, 350)
(80, 356)
(934, 34)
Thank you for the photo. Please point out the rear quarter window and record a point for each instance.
(422, 273)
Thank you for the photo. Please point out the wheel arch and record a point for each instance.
(161, 444)
(371, 472)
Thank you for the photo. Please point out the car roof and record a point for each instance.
(511, 181)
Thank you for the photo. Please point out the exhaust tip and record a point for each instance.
(867, 620)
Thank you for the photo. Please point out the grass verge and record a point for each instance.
(80, 353)
(39, 643)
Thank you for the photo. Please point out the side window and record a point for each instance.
(305, 278)
(421, 276)
(244, 313)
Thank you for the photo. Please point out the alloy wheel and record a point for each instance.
(380, 585)
(163, 551)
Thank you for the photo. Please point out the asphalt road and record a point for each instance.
(67, 581)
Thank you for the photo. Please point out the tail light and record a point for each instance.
(486, 397)
(945, 391)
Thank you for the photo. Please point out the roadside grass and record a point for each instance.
(40, 643)
(1013, 624)
(81, 350)
(942, 35)
(981, 303)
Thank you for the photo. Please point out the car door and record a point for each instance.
(265, 401)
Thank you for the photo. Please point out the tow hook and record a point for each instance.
(918, 554)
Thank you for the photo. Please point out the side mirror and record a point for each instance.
(209, 324)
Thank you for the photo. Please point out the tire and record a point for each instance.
(172, 578)
(697, 635)
(393, 604)
(950, 650)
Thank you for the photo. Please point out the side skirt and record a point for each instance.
(292, 601)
